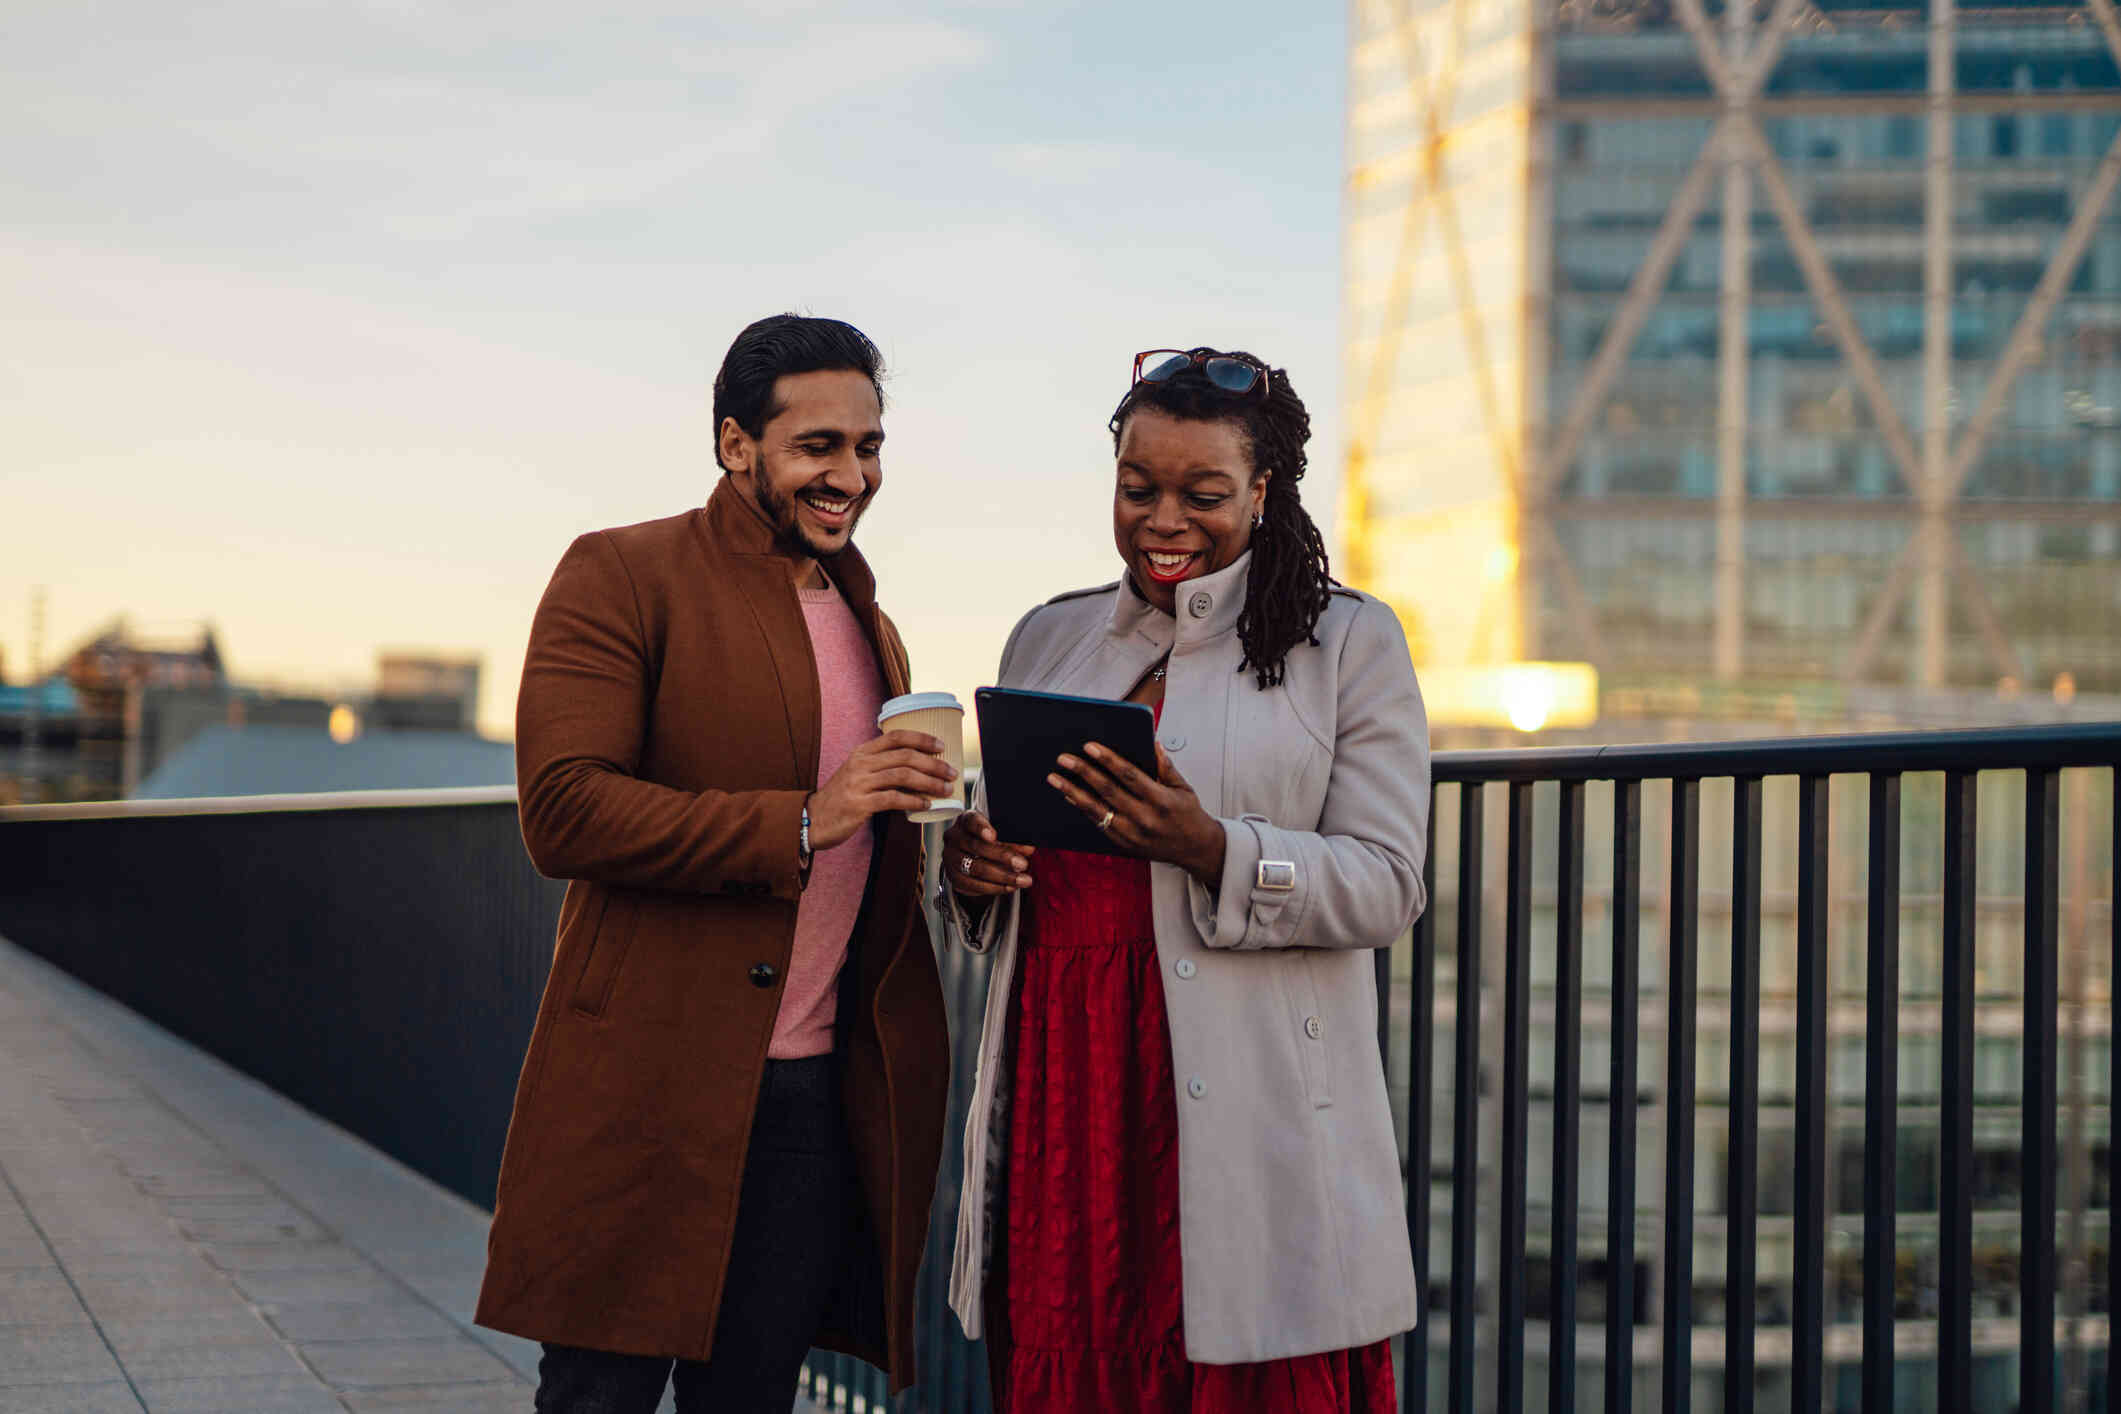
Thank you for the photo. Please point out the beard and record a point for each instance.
(788, 533)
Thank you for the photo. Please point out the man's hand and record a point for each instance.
(896, 771)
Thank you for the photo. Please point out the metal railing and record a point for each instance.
(1883, 761)
(356, 952)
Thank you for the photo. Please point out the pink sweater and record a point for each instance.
(851, 690)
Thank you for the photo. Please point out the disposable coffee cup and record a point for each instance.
(941, 716)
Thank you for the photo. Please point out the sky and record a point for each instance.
(333, 323)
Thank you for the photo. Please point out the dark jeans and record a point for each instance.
(791, 1236)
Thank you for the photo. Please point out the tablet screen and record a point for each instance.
(1022, 734)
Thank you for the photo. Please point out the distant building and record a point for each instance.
(76, 733)
(171, 717)
(127, 703)
(425, 692)
(40, 733)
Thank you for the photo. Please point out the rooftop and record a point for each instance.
(176, 1237)
(283, 760)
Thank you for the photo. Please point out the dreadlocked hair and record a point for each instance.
(1290, 581)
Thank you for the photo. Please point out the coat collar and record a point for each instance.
(1208, 608)
(735, 522)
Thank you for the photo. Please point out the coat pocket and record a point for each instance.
(608, 945)
(1307, 1023)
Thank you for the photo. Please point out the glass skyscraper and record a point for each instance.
(1773, 341)
(1769, 348)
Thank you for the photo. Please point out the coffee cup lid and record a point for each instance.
(918, 702)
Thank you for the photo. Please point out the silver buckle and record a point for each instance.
(1277, 875)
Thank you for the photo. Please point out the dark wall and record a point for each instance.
(380, 967)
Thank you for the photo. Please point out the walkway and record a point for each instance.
(177, 1239)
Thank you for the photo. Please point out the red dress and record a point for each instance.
(1091, 1268)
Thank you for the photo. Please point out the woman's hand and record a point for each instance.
(1158, 819)
(978, 863)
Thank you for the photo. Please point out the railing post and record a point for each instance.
(1516, 1099)
(2037, 1273)
(1682, 976)
(1421, 1121)
(1881, 1089)
(1465, 1107)
(1808, 1334)
(1742, 1204)
(1626, 999)
(1568, 1092)
(1955, 1208)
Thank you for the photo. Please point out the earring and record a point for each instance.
(1258, 520)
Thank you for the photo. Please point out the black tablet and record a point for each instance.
(1021, 736)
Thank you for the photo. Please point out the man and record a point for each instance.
(725, 1141)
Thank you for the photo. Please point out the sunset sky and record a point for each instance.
(334, 323)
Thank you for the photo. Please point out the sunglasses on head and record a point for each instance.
(1228, 372)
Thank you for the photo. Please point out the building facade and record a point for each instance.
(1766, 356)
(1774, 342)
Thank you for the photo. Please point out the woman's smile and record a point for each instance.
(1171, 566)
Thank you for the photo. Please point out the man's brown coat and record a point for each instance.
(666, 736)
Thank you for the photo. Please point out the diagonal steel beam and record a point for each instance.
(1738, 90)
(2109, 24)
(1548, 548)
(1736, 78)
(1471, 327)
(1737, 86)
(1435, 108)
(1942, 487)
(1634, 312)
(2003, 655)
(1986, 621)
(1726, 73)
(1880, 618)
(2025, 338)
(1826, 290)
(2061, 266)
(1767, 49)
(1435, 115)
(1385, 359)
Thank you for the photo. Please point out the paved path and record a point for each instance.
(177, 1239)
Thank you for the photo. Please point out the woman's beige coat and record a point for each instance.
(1292, 1227)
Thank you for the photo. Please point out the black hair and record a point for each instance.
(1290, 581)
(778, 345)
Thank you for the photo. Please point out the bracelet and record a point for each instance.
(802, 846)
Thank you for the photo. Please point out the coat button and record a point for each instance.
(1313, 1027)
(1199, 605)
(1174, 742)
(763, 974)
(1183, 967)
(1196, 1087)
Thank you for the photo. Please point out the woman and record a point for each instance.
(1182, 1191)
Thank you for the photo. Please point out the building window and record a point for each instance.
(1997, 1077)
(1901, 135)
(2003, 136)
(2054, 135)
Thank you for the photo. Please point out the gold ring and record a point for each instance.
(1106, 823)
